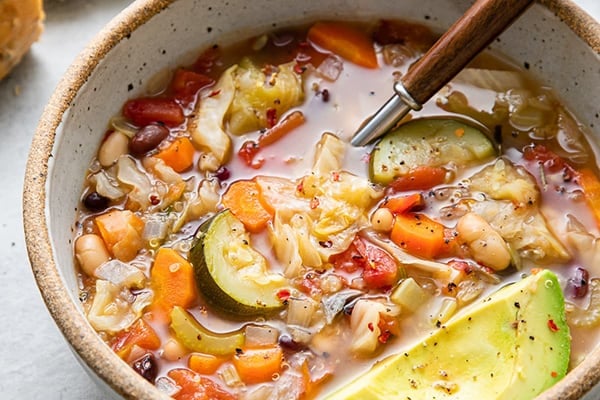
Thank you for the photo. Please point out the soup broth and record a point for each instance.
(231, 243)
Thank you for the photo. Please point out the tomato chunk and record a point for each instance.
(145, 111)
(186, 84)
(379, 269)
(196, 387)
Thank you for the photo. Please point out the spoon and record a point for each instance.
(483, 22)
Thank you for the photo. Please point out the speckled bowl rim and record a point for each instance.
(81, 337)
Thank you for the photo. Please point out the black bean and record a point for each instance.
(146, 367)
(577, 284)
(147, 138)
(95, 202)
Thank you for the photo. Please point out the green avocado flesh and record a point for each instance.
(512, 345)
(231, 275)
(431, 142)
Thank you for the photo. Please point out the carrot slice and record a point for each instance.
(172, 278)
(179, 155)
(242, 199)
(140, 334)
(204, 363)
(591, 189)
(402, 204)
(419, 178)
(196, 387)
(121, 231)
(345, 41)
(258, 365)
(418, 234)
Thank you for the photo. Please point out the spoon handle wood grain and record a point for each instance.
(483, 22)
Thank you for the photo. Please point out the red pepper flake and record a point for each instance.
(553, 327)
(300, 187)
(371, 327)
(214, 93)
(271, 117)
(383, 338)
(284, 294)
(366, 158)
(335, 176)
(554, 374)
(314, 203)
(325, 95)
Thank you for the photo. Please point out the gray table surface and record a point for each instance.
(35, 361)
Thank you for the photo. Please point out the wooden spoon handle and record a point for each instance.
(483, 22)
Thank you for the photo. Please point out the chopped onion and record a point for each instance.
(397, 54)
(330, 68)
(263, 392)
(230, 376)
(300, 311)
(156, 229)
(261, 335)
(167, 386)
(409, 295)
(120, 274)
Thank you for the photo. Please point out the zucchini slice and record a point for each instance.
(431, 142)
(231, 275)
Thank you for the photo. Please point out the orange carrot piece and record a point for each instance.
(284, 127)
(419, 178)
(179, 155)
(402, 204)
(418, 234)
(204, 363)
(121, 231)
(242, 199)
(591, 189)
(196, 387)
(258, 365)
(345, 41)
(172, 278)
(140, 334)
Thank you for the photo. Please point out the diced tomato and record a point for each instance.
(419, 178)
(196, 387)
(186, 84)
(379, 269)
(206, 62)
(402, 204)
(139, 334)
(144, 111)
(552, 161)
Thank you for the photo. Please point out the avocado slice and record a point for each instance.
(513, 344)
(232, 276)
(432, 142)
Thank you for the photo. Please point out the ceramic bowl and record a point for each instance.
(554, 39)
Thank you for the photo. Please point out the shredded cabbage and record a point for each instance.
(276, 88)
(206, 129)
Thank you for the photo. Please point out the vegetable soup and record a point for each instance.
(231, 243)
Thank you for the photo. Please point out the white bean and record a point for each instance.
(173, 350)
(382, 220)
(115, 145)
(91, 252)
(485, 244)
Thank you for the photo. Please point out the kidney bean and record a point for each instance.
(94, 201)
(577, 284)
(147, 138)
(146, 367)
(287, 342)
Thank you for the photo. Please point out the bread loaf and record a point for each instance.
(21, 23)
